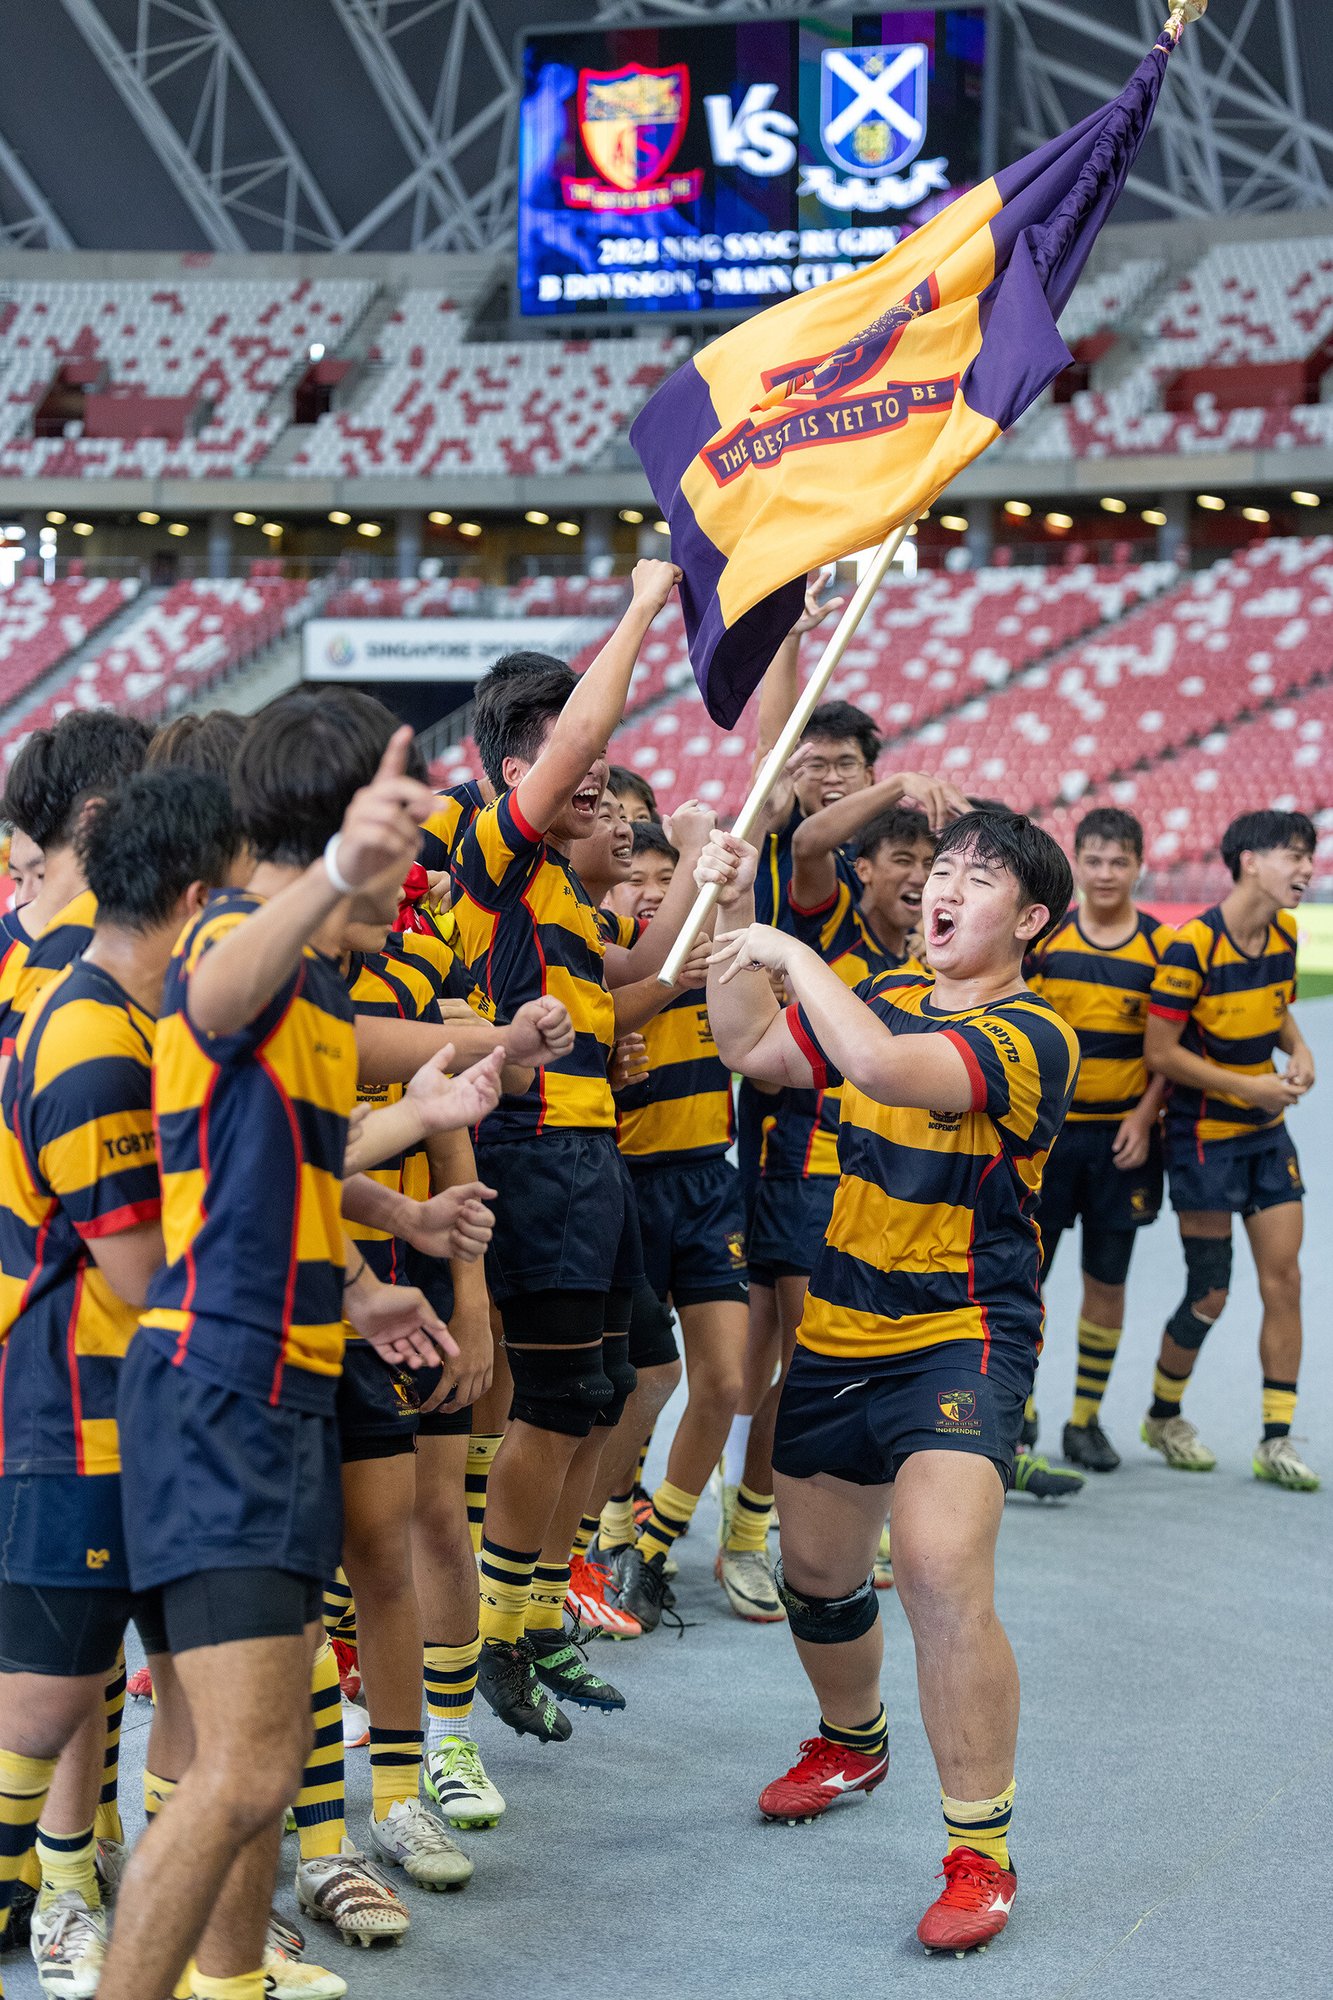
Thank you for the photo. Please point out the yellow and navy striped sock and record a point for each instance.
(1096, 1358)
(450, 1674)
(749, 1521)
(871, 1738)
(339, 1611)
(671, 1515)
(106, 1821)
(588, 1527)
(617, 1529)
(1167, 1391)
(24, 1784)
(395, 1767)
(156, 1792)
(981, 1824)
(320, 1807)
(69, 1863)
(241, 1986)
(505, 1576)
(480, 1454)
(546, 1601)
(1279, 1408)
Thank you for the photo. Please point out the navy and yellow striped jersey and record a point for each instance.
(68, 934)
(436, 953)
(454, 813)
(386, 985)
(14, 947)
(252, 1129)
(1102, 992)
(77, 1162)
(772, 886)
(802, 1141)
(1234, 1008)
(686, 1111)
(934, 1235)
(528, 927)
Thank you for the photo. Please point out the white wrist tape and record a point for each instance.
(332, 870)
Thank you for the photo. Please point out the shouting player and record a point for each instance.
(919, 1340)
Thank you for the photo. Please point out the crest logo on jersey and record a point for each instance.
(97, 1558)
(957, 1406)
(872, 117)
(631, 122)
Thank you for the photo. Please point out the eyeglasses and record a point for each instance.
(841, 767)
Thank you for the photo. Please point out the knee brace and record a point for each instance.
(558, 1388)
(828, 1621)
(1207, 1269)
(622, 1376)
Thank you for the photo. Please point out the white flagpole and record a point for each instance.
(810, 698)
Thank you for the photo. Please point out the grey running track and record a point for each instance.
(1175, 1803)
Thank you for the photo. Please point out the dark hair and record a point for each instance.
(513, 705)
(1110, 823)
(161, 831)
(209, 742)
(1260, 832)
(899, 825)
(1036, 861)
(834, 721)
(982, 805)
(301, 759)
(620, 780)
(86, 755)
(649, 838)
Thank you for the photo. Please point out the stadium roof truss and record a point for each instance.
(1234, 131)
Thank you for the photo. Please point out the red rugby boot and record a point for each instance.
(824, 1773)
(973, 1906)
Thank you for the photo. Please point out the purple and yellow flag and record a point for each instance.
(820, 425)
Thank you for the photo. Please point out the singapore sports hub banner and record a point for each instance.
(685, 169)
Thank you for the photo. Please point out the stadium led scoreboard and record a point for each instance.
(716, 169)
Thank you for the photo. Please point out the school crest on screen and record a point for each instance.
(872, 123)
(631, 122)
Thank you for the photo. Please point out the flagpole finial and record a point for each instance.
(1182, 13)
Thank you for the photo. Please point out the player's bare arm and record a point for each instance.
(390, 1051)
(815, 842)
(1163, 1052)
(434, 1101)
(237, 978)
(1300, 1062)
(1129, 1149)
(687, 829)
(585, 725)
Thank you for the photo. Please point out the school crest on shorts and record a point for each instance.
(957, 1406)
(736, 1249)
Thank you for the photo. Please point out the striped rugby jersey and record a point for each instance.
(934, 1236)
(14, 947)
(252, 1129)
(1102, 992)
(772, 887)
(1233, 1007)
(803, 1140)
(383, 984)
(69, 933)
(453, 815)
(78, 1161)
(527, 927)
(686, 1111)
